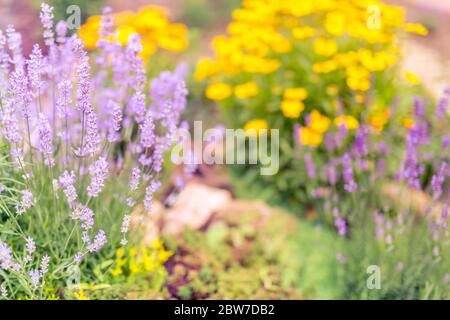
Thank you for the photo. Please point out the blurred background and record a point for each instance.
(258, 240)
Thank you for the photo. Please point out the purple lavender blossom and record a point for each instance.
(6, 257)
(3, 291)
(85, 215)
(83, 77)
(10, 124)
(30, 248)
(412, 169)
(296, 132)
(15, 46)
(99, 241)
(329, 143)
(26, 202)
(137, 106)
(347, 173)
(61, 31)
(444, 213)
(67, 181)
(149, 192)
(19, 92)
(135, 179)
(157, 158)
(106, 23)
(438, 179)
(125, 224)
(442, 105)
(341, 225)
(124, 229)
(4, 64)
(64, 99)
(35, 277)
(35, 70)
(92, 135)
(78, 258)
(44, 265)
(98, 172)
(341, 135)
(116, 120)
(46, 140)
(147, 131)
(47, 22)
(310, 168)
(360, 147)
(419, 108)
(445, 141)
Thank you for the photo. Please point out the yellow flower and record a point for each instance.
(358, 78)
(120, 252)
(295, 94)
(325, 47)
(81, 296)
(133, 252)
(150, 22)
(348, 121)
(123, 33)
(325, 67)
(301, 33)
(345, 60)
(310, 137)
(218, 91)
(335, 23)
(157, 244)
(412, 78)
(117, 271)
(134, 267)
(416, 28)
(292, 108)
(164, 255)
(246, 90)
(205, 68)
(318, 122)
(89, 32)
(174, 38)
(379, 119)
(408, 123)
(253, 127)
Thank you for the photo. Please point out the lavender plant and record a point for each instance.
(83, 140)
(389, 198)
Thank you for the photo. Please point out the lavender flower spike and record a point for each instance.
(46, 140)
(47, 22)
(98, 172)
(347, 173)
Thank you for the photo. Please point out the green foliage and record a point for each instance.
(248, 257)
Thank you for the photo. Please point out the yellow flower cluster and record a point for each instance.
(136, 260)
(286, 51)
(312, 134)
(150, 22)
(263, 31)
(318, 124)
(292, 104)
(378, 118)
